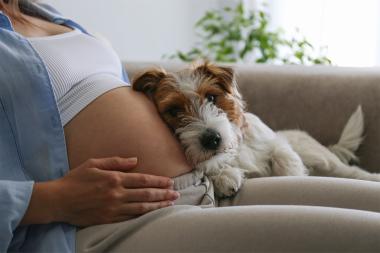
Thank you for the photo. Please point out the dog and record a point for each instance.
(203, 107)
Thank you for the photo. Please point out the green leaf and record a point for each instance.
(240, 8)
(231, 33)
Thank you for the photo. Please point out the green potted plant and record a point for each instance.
(236, 34)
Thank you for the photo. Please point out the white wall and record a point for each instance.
(350, 28)
(147, 29)
(139, 29)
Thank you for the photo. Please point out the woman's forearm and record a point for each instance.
(42, 205)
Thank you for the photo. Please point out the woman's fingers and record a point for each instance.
(130, 180)
(139, 208)
(150, 195)
(138, 180)
(114, 163)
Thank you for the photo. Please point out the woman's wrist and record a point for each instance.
(44, 204)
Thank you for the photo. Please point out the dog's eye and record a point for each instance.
(173, 111)
(211, 98)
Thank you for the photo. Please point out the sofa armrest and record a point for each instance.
(317, 99)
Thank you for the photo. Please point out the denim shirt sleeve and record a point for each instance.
(14, 195)
(13, 204)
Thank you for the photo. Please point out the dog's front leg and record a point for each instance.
(285, 161)
(228, 181)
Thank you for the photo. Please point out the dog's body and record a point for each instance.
(264, 153)
(205, 110)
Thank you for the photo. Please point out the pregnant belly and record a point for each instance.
(124, 123)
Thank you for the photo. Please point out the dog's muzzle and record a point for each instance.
(210, 139)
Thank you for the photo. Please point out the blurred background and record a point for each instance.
(337, 32)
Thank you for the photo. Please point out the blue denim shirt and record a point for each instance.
(32, 143)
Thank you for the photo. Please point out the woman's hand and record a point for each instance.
(100, 191)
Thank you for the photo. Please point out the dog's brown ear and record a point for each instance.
(226, 75)
(148, 81)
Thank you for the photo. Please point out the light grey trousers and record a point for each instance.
(276, 214)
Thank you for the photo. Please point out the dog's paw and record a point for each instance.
(228, 183)
(225, 187)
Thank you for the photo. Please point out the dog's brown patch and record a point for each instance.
(148, 80)
(218, 81)
(173, 105)
(224, 75)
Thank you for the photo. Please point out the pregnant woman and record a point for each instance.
(86, 164)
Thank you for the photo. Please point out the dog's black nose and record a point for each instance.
(210, 139)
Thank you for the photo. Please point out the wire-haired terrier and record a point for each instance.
(205, 110)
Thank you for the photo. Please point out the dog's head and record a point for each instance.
(201, 105)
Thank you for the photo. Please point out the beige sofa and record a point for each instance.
(317, 99)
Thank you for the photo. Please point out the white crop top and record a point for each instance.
(80, 67)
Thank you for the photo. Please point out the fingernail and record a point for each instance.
(176, 194)
(132, 160)
(171, 182)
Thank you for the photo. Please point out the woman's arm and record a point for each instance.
(97, 192)
(40, 209)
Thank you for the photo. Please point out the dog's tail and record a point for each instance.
(351, 138)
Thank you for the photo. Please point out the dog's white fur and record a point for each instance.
(263, 152)
(255, 150)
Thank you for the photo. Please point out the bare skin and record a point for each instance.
(38, 27)
(111, 188)
(123, 122)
